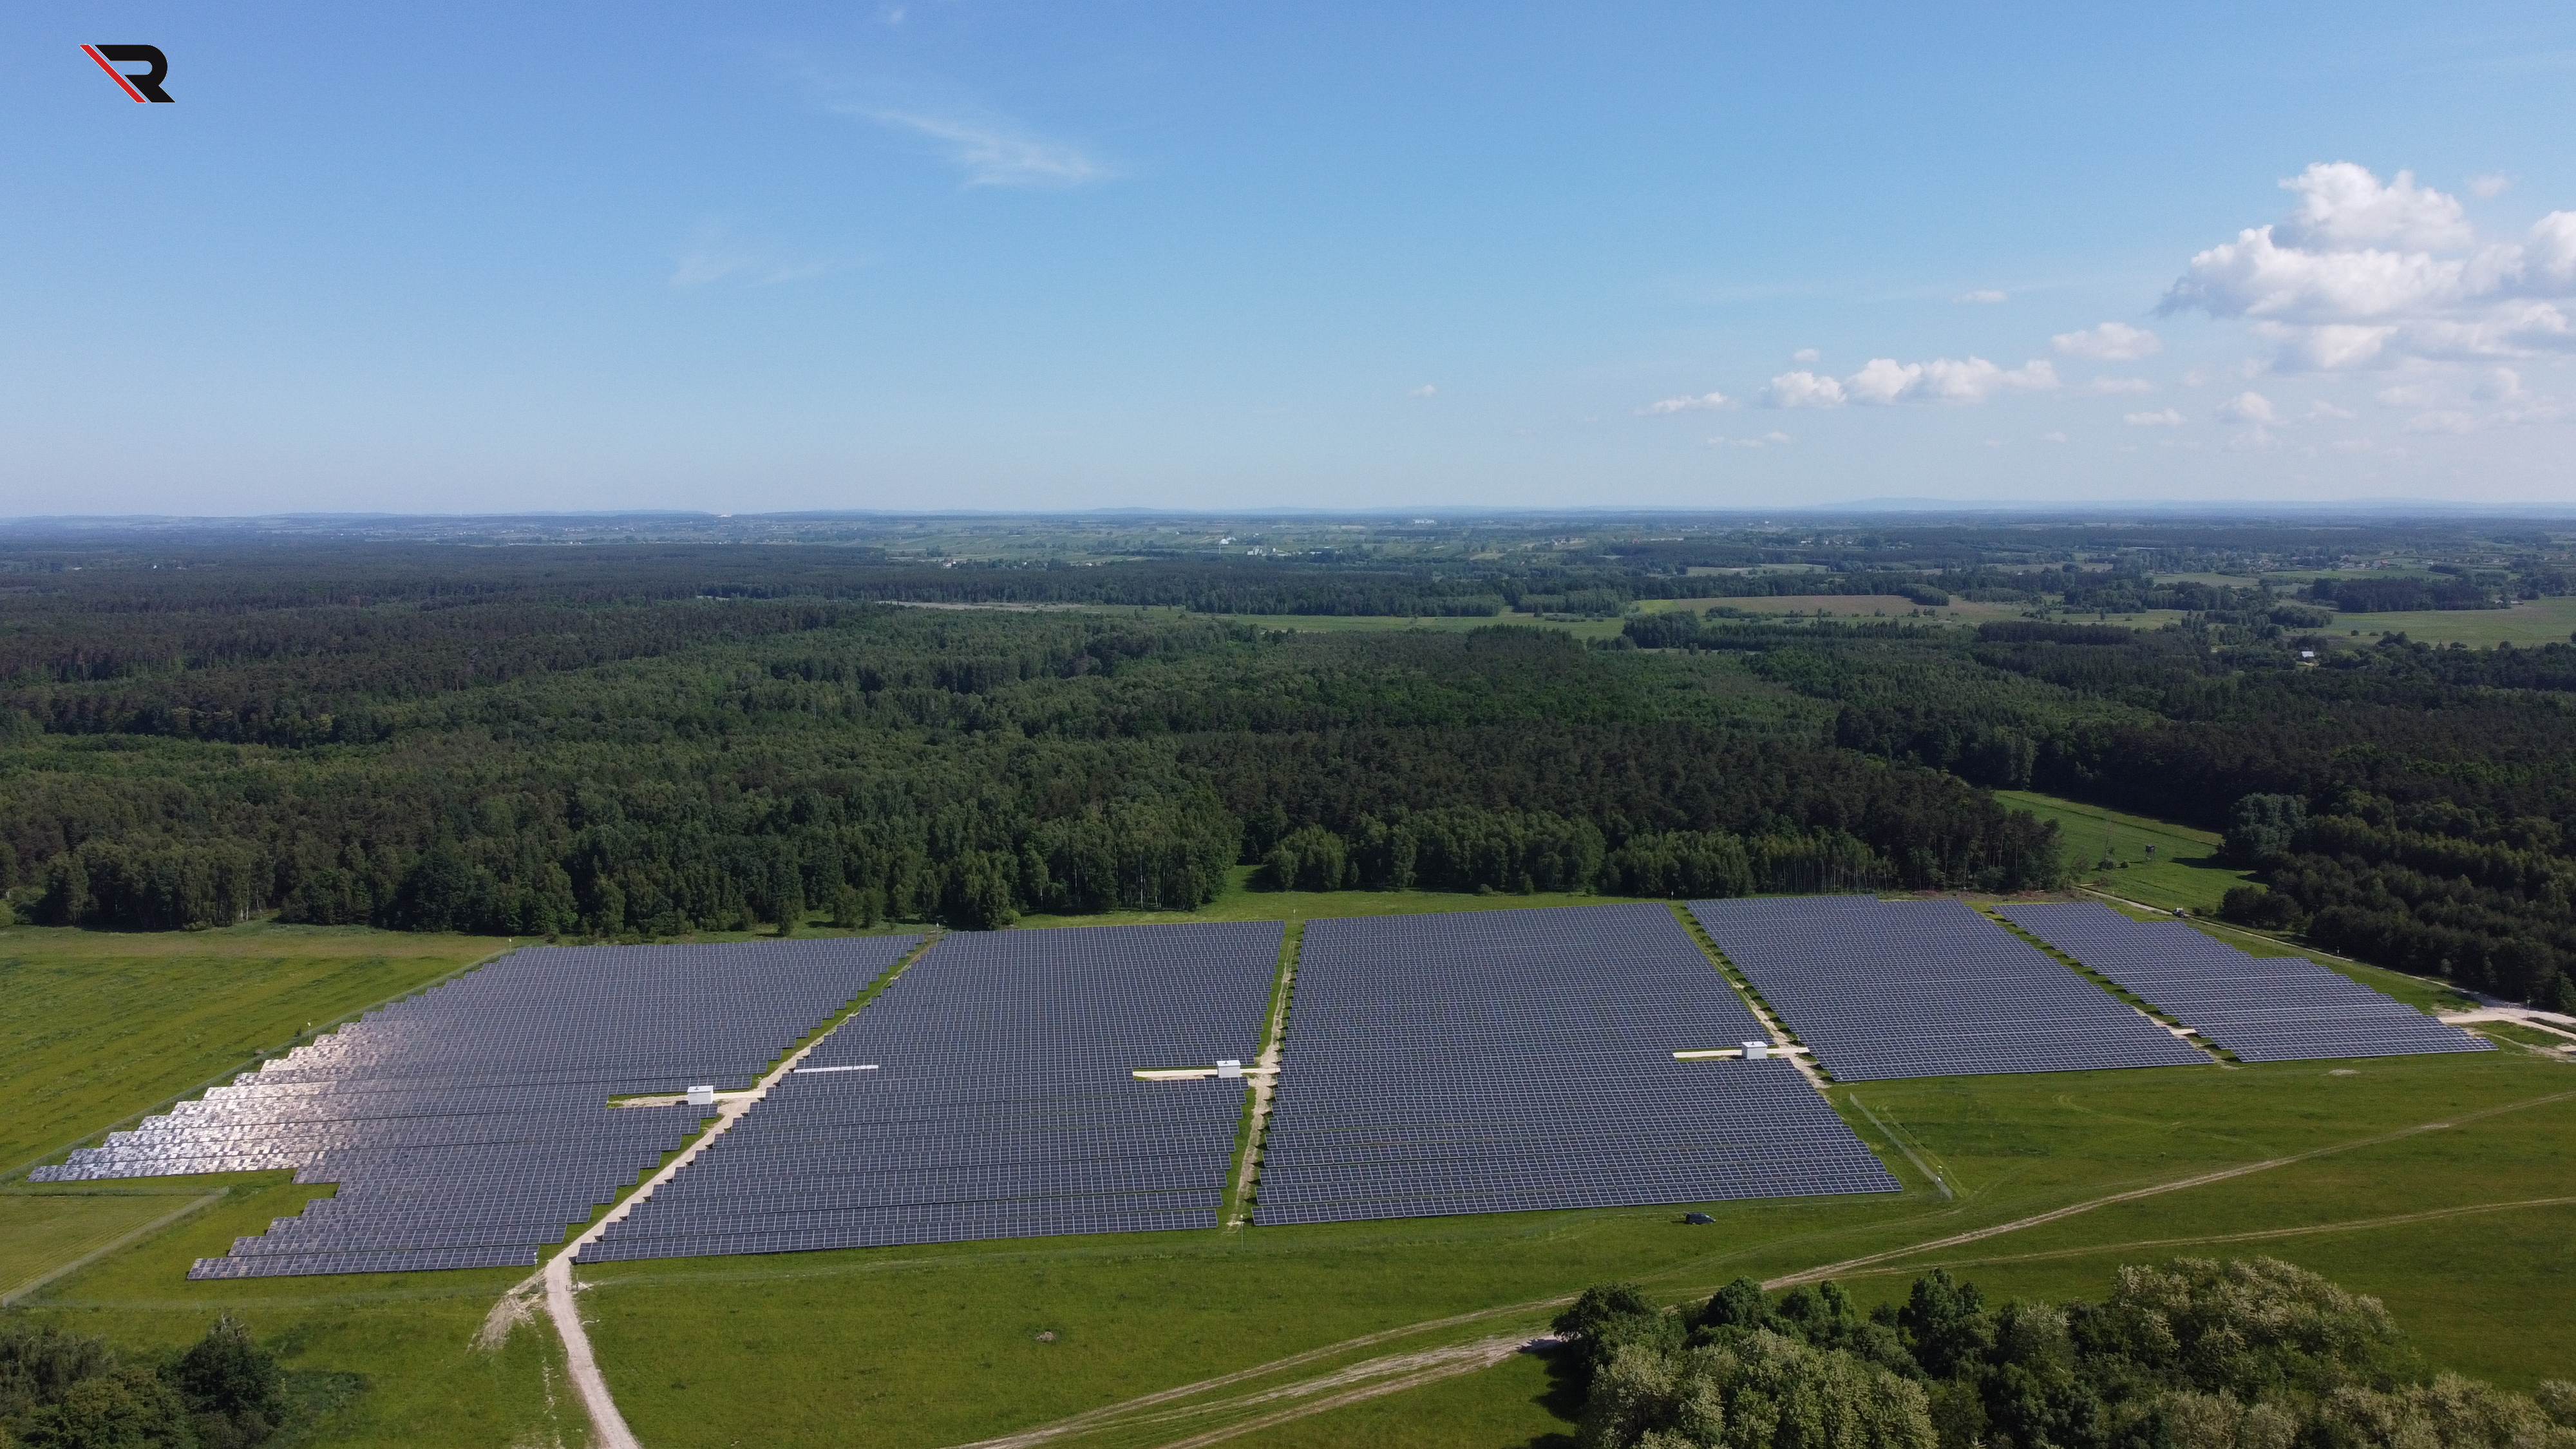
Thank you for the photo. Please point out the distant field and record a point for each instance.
(2532, 621)
(1892, 606)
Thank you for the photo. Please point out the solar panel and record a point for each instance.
(1002, 1102)
(468, 1125)
(1504, 1061)
(2262, 1008)
(1886, 989)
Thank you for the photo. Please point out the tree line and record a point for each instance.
(2188, 1354)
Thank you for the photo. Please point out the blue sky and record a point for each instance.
(925, 255)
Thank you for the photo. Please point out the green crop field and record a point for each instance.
(940, 1345)
(2531, 621)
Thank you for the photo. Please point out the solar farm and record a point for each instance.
(1513, 1060)
(990, 1092)
(1885, 989)
(468, 1125)
(1041, 1083)
(2263, 1009)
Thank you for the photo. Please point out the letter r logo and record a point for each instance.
(144, 87)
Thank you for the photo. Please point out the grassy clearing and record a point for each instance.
(1242, 903)
(2153, 861)
(2531, 621)
(99, 1026)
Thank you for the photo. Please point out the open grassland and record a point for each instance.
(2153, 861)
(2531, 621)
(99, 1026)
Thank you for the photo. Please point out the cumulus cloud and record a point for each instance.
(2110, 342)
(2249, 407)
(993, 152)
(2168, 418)
(1805, 354)
(2491, 184)
(1767, 440)
(1986, 296)
(1704, 403)
(1802, 390)
(1426, 390)
(2366, 274)
(1884, 381)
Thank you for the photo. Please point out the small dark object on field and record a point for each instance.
(1697, 1218)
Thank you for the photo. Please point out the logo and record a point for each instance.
(144, 87)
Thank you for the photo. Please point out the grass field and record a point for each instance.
(933, 1346)
(2182, 872)
(2532, 621)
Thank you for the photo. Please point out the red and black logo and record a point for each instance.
(143, 87)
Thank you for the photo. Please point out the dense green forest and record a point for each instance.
(2190, 1354)
(681, 733)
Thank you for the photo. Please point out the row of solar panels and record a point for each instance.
(1471, 1062)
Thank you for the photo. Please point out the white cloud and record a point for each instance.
(2113, 386)
(1805, 354)
(2406, 395)
(2165, 419)
(2249, 407)
(997, 153)
(1767, 440)
(2447, 421)
(1705, 402)
(2318, 411)
(2363, 274)
(1426, 390)
(1983, 296)
(2110, 342)
(1943, 379)
(1802, 390)
(1885, 381)
(2342, 205)
(2501, 385)
(2493, 183)
(2052, 437)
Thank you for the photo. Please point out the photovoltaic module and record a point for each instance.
(989, 1093)
(467, 1126)
(2262, 1008)
(1500, 1061)
(1884, 989)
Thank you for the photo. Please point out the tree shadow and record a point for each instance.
(1564, 1397)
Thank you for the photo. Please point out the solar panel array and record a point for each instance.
(468, 1125)
(1883, 989)
(988, 1094)
(2264, 1009)
(1504, 1061)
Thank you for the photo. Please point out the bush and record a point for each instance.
(2250, 905)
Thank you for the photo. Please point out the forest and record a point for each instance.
(650, 736)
